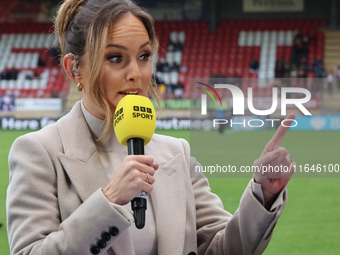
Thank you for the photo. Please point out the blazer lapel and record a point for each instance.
(80, 158)
(170, 216)
(87, 177)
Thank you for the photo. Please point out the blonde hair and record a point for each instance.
(83, 26)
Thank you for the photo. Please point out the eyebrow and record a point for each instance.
(124, 48)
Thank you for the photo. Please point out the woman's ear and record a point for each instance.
(71, 68)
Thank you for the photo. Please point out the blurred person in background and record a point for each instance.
(254, 66)
(330, 80)
(319, 73)
(301, 73)
(286, 73)
(71, 183)
(178, 46)
(279, 69)
(7, 104)
(319, 69)
(338, 77)
(294, 71)
(221, 113)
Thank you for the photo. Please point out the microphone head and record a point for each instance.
(134, 117)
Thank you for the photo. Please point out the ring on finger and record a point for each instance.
(148, 177)
(291, 158)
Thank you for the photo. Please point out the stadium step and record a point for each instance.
(332, 54)
(332, 50)
(331, 102)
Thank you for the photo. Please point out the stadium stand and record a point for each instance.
(238, 49)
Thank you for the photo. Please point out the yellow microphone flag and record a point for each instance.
(134, 117)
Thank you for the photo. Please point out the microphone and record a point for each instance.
(134, 123)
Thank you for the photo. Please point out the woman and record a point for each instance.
(71, 182)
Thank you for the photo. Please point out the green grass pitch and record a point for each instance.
(310, 222)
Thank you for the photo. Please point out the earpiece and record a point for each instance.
(75, 70)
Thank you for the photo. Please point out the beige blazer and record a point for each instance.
(55, 204)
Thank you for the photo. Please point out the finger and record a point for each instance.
(267, 158)
(287, 161)
(288, 168)
(284, 161)
(283, 167)
(281, 131)
(146, 169)
(281, 158)
(140, 167)
(144, 159)
(155, 166)
(146, 187)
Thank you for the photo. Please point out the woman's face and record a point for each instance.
(127, 64)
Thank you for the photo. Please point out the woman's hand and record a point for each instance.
(130, 179)
(272, 182)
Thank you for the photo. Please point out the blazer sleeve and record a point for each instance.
(33, 219)
(248, 231)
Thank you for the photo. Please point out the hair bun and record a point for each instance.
(66, 15)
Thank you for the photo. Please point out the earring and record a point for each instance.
(80, 86)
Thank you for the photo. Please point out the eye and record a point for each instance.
(145, 57)
(115, 59)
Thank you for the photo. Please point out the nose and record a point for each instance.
(134, 73)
